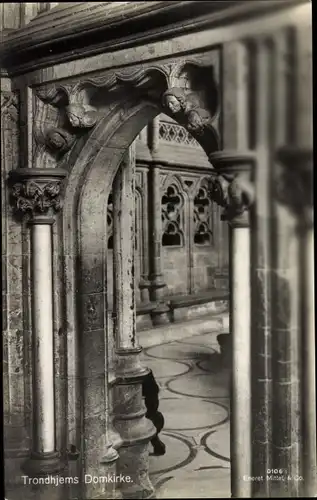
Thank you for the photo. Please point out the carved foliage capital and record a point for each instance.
(36, 193)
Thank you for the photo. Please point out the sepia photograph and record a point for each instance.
(158, 310)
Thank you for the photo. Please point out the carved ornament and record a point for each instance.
(232, 188)
(186, 89)
(36, 193)
(9, 105)
(186, 109)
(58, 140)
(70, 97)
(236, 197)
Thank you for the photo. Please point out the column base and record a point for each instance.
(41, 464)
(132, 425)
(161, 314)
(133, 461)
(144, 308)
(144, 286)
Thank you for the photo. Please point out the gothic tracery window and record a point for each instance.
(172, 205)
(202, 218)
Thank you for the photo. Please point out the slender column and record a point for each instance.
(296, 193)
(134, 428)
(123, 252)
(44, 418)
(36, 196)
(234, 192)
(160, 314)
(144, 283)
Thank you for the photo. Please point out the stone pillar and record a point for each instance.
(160, 314)
(296, 192)
(234, 191)
(261, 63)
(36, 195)
(130, 421)
(235, 123)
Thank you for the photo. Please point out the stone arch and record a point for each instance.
(92, 164)
(86, 194)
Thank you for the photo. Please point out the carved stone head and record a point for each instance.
(174, 100)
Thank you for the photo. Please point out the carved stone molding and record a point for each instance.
(232, 189)
(36, 194)
(190, 84)
(294, 182)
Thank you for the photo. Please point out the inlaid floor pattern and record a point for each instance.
(194, 399)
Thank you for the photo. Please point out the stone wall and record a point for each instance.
(16, 322)
(15, 15)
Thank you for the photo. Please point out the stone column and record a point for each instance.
(130, 421)
(144, 283)
(36, 195)
(296, 192)
(160, 314)
(235, 122)
(234, 191)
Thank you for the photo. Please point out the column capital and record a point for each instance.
(232, 189)
(294, 187)
(36, 193)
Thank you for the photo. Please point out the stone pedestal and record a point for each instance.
(234, 192)
(36, 196)
(134, 428)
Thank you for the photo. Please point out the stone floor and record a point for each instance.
(194, 399)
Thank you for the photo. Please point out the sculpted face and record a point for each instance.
(173, 103)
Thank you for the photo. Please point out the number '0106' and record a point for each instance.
(275, 471)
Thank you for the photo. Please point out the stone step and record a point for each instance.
(181, 330)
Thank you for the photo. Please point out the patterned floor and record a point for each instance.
(194, 399)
